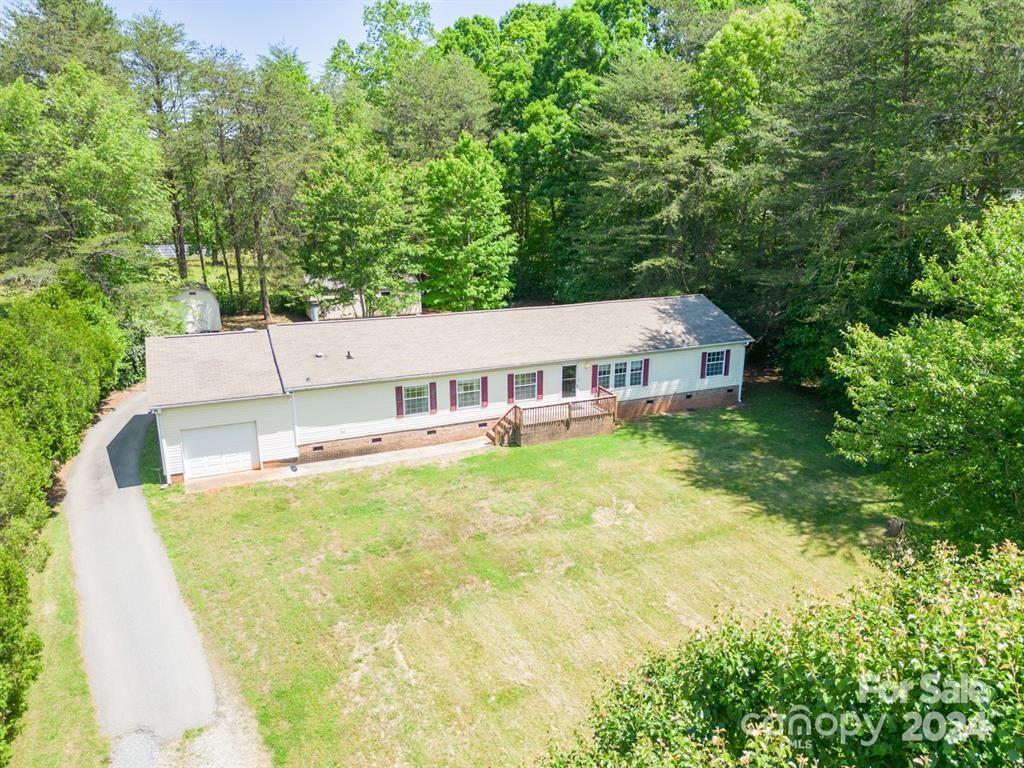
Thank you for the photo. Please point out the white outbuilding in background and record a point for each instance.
(200, 308)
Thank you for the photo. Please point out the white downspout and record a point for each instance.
(295, 424)
(743, 372)
(160, 440)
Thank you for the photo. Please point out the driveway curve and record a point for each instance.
(143, 655)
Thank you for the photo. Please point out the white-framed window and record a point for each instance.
(415, 399)
(468, 392)
(716, 363)
(625, 373)
(636, 373)
(620, 375)
(526, 386)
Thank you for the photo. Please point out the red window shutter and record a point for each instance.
(703, 365)
(540, 385)
(483, 391)
(453, 395)
(728, 354)
(399, 403)
(511, 388)
(647, 371)
(433, 397)
(593, 379)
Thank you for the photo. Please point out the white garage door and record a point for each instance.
(219, 450)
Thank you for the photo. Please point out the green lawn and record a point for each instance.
(59, 729)
(464, 615)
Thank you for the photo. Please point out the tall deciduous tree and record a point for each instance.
(39, 37)
(739, 66)
(522, 34)
(396, 33)
(284, 125)
(470, 248)
(431, 102)
(358, 228)
(475, 37)
(222, 84)
(159, 62)
(80, 161)
(938, 401)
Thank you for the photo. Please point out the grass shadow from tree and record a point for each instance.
(773, 452)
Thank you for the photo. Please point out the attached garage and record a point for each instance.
(220, 450)
(219, 404)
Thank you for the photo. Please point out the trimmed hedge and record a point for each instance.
(60, 353)
(20, 650)
(959, 617)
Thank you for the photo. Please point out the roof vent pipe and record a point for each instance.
(319, 354)
(348, 355)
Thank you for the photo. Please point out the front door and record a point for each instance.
(568, 381)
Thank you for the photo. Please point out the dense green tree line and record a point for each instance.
(795, 161)
(939, 400)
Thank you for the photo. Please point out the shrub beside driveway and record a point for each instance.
(59, 728)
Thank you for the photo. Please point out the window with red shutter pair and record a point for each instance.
(525, 386)
(415, 399)
(467, 393)
(715, 363)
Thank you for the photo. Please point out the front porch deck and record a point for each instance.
(525, 425)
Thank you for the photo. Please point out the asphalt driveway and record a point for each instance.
(145, 662)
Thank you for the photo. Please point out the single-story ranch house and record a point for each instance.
(229, 402)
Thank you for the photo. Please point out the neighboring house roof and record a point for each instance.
(207, 367)
(316, 354)
(337, 285)
(168, 251)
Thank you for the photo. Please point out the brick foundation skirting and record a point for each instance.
(392, 441)
(415, 438)
(705, 398)
(559, 430)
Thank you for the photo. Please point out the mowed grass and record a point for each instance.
(464, 615)
(59, 728)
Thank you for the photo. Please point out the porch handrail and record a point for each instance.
(519, 418)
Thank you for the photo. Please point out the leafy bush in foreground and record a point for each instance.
(956, 617)
(60, 353)
(58, 356)
(19, 650)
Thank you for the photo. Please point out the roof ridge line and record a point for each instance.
(450, 313)
(205, 334)
(273, 356)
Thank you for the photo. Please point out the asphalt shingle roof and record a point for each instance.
(192, 369)
(205, 367)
